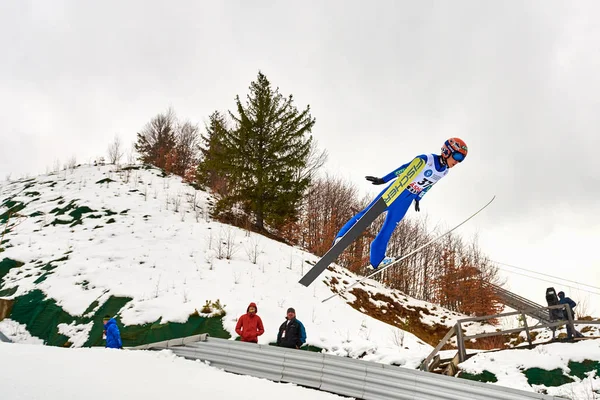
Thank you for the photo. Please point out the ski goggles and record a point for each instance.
(458, 156)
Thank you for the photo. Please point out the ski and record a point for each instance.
(379, 270)
(393, 191)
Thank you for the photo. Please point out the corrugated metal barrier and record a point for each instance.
(340, 375)
(4, 338)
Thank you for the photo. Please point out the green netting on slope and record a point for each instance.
(65, 209)
(111, 307)
(42, 316)
(75, 212)
(79, 211)
(6, 265)
(156, 332)
(538, 376)
(579, 369)
(49, 268)
(485, 376)
(13, 207)
(8, 292)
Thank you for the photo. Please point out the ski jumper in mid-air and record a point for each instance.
(453, 152)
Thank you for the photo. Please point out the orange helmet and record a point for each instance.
(455, 148)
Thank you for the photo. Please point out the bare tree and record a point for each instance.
(315, 160)
(186, 136)
(115, 151)
(397, 337)
(220, 246)
(131, 158)
(72, 163)
(156, 141)
(583, 307)
(327, 206)
(177, 202)
(253, 248)
(191, 197)
(230, 245)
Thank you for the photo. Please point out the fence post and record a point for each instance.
(460, 341)
(526, 329)
(570, 320)
(425, 366)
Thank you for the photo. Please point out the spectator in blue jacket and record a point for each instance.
(291, 333)
(562, 299)
(111, 331)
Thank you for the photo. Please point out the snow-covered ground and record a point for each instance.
(52, 373)
(508, 367)
(17, 332)
(149, 238)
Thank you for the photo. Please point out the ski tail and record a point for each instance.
(395, 262)
(338, 248)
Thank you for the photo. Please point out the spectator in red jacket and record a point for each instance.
(249, 325)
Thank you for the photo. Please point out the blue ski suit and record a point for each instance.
(433, 172)
(113, 336)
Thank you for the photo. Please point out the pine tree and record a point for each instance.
(213, 167)
(265, 154)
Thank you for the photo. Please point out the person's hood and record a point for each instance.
(252, 305)
(111, 321)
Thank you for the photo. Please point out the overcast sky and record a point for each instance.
(518, 81)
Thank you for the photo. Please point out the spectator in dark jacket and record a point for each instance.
(567, 300)
(249, 325)
(291, 332)
(113, 336)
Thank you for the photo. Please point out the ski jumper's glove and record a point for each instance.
(417, 208)
(375, 180)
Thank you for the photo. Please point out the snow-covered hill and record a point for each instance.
(137, 234)
(86, 236)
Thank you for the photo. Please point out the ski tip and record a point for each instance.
(329, 298)
(490, 202)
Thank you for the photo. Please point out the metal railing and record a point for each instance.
(166, 344)
(520, 303)
(344, 376)
(461, 338)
